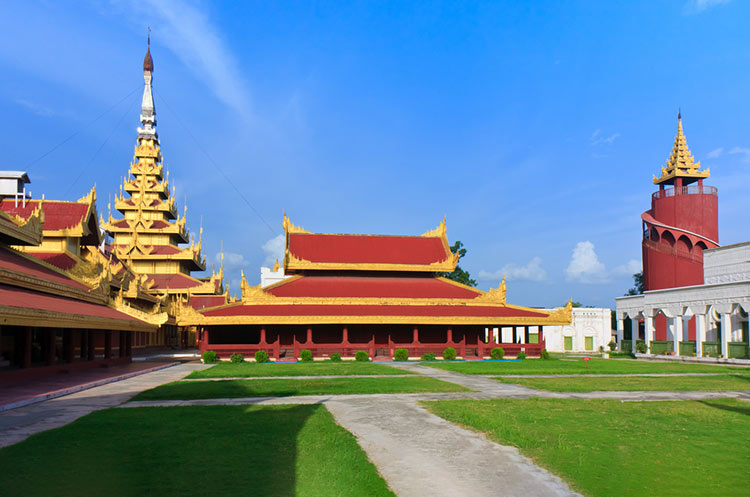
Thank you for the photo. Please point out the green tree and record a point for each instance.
(638, 282)
(459, 274)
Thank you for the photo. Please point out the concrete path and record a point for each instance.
(18, 424)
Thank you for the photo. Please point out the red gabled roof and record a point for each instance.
(29, 299)
(172, 281)
(61, 260)
(447, 311)
(203, 301)
(367, 249)
(371, 287)
(58, 215)
(15, 262)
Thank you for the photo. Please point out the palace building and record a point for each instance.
(697, 294)
(368, 292)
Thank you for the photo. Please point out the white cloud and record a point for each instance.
(532, 271)
(633, 266)
(188, 32)
(715, 153)
(232, 261)
(698, 6)
(274, 249)
(745, 152)
(598, 139)
(584, 266)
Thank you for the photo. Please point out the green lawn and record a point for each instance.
(282, 387)
(578, 366)
(634, 384)
(229, 370)
(177, 451)
(609, 448)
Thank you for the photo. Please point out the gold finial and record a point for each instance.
(276, 265)
(681, 163)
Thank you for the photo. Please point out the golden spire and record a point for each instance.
(276, 265)
(680, 163)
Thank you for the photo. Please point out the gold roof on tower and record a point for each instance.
(680, 163)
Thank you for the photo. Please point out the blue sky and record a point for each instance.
(535, 128)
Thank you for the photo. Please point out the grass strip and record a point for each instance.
(635, 384)
(608, 448)
(282, 387)
(251, 369)
(177, 451)
(578, 366)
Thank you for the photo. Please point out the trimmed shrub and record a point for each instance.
(612, 346)
(361, 356)
(497, 353)
(641, 347)
(335, 357)
(429, 356)
(521, 356)
(305, 355)
(237, 358)
(449, 354)
(209, 357)
(401, 355)
(261, 356)
(544, 355)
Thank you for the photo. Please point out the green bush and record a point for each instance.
(401, 355)
(622, 354)
(641, 347)
(612, 345)
(261, 356)
(361, 356)
(209, 357)
(305, 355)
(429, 356)
(521, 356)
(449, 354)
(335, 357)
(544, 355)
(497, 353)
(237, 358)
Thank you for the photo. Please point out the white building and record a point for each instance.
(590, 329)
(720, 307)
(269, 276)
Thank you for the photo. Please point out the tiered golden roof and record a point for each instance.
(680, 163)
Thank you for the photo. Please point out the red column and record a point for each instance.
(415, 340)
(345, 336)
(541, 336)
(128, 343)
(263, 336)
(49, 338)
(449, 337)
(309, 336)
(108, 344)
(26, 352)
(90, 342)
(121, 344)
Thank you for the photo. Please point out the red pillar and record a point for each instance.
(345, 336)
(91, 345)
(416, 336)
(449, 337)
(108, 344)
(541, 336)
(309, 336)
(263, 336)
(49, 338)
(26, 352)
(128, 344)
(121, 344)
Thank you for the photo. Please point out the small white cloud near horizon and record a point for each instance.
(633, 266)
(698, 6)
(585, 267)
(745, 152)
(715, 153)
(532, 271)
(274, 250)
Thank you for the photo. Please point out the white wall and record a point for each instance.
(587, 322)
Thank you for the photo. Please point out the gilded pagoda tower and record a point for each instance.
(149, 235)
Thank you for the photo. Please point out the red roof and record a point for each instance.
(203, 301)
(15, 262)
(373, 286)
(58, 214)
(60, 260)
(172, 281)
(374, 310)
(29, 299)
(364, 249)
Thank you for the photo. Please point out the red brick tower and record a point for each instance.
(682, 222)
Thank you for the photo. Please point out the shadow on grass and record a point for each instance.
(725, 407)
(162, 451)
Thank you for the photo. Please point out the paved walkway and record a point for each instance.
(18, 424)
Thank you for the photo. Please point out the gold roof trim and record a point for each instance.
(291, 228)
(494, 294)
